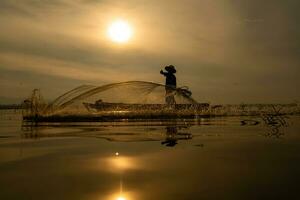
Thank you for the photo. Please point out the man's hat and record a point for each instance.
(170, 69)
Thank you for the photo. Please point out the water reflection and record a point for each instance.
(276, 123)
(172, 136)
(120, 164)
(99, 169)
(274, 132)
(169, 133)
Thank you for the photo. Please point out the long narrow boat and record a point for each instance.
(105, 106)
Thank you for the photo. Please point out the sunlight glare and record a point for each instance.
(119, 31)
(120, 198)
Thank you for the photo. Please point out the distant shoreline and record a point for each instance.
(10, 106)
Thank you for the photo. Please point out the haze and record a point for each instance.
(226, 51)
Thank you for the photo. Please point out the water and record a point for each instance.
(216, 158)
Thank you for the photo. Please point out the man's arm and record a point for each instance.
(163, 73)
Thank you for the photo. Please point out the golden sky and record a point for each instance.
(226, 51)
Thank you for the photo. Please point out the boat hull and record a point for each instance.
(98, 107)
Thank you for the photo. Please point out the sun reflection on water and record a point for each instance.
(121, 198)
(118, 163)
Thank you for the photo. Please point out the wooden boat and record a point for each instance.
(106, 106)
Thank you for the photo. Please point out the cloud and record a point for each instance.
(67, 39)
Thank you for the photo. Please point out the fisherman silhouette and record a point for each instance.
(170, 84)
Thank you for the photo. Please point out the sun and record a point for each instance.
(119, 31)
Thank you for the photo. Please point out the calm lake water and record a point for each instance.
(177, 160)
